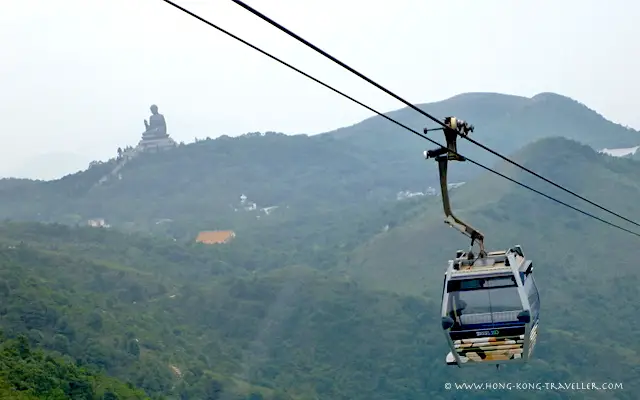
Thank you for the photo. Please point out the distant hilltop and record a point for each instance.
(197, 185)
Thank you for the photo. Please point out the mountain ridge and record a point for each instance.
(198, 186)
(492, 105)
(499, 116)
(503, 202)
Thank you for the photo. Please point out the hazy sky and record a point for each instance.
(78, 76)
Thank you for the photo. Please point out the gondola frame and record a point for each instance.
(517, 269)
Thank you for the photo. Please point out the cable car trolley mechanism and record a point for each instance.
(490, 303)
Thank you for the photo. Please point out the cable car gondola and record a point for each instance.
(490, 303)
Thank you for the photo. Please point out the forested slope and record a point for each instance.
(188, 321)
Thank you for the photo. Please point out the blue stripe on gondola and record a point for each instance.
(494, 325)
(502, 331)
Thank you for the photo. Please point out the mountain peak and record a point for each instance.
(483, 96)
(550, 95)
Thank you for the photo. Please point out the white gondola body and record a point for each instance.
(490, 309)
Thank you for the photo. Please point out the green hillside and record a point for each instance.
(500, 119)
(202, 182)
(198, 186)
(505, 211)
(503, 122)
(137, 309)
(191, 322)
(333, 294)
(28, 373)
(585, 271)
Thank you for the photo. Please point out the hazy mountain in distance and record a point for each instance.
(48, 166)
(200, 184)
(502, 122)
